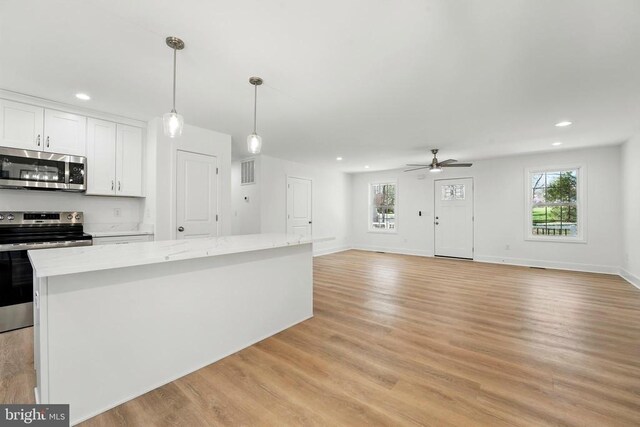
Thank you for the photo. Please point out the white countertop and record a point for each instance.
(119, 233)
(118, 229)
(59, 261)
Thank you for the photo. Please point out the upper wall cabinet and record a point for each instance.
(114, 159)
(101, 157)
(36, 128)
(21, 125)
(64, 132)
(129, 149)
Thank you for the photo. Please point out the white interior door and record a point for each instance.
(453, 219)
(196, 195)
(299, 220)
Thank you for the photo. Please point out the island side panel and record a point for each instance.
(40, 344)
(116, 334)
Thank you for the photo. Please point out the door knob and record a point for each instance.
(437, 223)
(309, 222)
(181, 229)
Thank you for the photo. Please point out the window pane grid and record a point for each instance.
(554, 207)
(383, 200)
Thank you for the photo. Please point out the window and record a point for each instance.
(382, 207)
(453, 192)
(554, 204)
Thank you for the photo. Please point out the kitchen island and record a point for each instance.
(114, 322)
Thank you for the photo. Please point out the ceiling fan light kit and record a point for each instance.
(435, 166)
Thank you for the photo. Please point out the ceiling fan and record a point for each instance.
(436, 166)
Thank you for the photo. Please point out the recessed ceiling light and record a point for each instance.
(338, 158)
(555, 144)
(563, 124)
(83, 96)
(366, 166)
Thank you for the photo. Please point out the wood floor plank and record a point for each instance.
(403, 340)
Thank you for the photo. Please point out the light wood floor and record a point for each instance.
(400, 340)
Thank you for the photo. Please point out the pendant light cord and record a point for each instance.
(174, 80)
(255, 108)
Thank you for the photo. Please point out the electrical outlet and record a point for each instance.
(116, 212)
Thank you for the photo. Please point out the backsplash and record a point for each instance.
(97, 209)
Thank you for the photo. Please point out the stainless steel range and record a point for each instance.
(20, 232)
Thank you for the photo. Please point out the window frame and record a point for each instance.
(581, 203)
(370, 228)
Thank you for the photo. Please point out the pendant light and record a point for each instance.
(173, 122)
(254, 141)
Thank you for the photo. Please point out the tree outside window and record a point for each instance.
(554, 203)
(383, 207)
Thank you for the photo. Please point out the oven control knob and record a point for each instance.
(69, 217)
(78, 216)
(10, 217)
(1, 217)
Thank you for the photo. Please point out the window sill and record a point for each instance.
(556, 239)
(383, 231)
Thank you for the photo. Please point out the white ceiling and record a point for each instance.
(376, 82)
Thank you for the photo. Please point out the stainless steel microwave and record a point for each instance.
(42, 171)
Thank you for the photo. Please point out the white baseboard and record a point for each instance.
(400, 251)
(589, 268)
(327, 251)
(631, 278)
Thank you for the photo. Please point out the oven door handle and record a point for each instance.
(44, 245)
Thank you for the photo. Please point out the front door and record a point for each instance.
(299, 206)
(453, 219)
(196, 195)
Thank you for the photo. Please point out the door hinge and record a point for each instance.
(216, 217)
(216, 171)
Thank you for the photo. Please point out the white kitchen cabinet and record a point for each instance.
(101, 157)
(35, 128)
(120, 240)
(129, 150)
(114, 159)
(21, 125)
(64, 132)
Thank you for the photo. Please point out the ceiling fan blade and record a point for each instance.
(415, 169)
(457, 165)
(447, 161)
(419, 165)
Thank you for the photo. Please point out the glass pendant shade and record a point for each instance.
(254, 143)
(173, 123)
(435, 169)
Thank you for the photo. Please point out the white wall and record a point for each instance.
(245, 201)
(160, 206)
(630, 177)
(331, 205)
(500, 210)
(97, 209)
